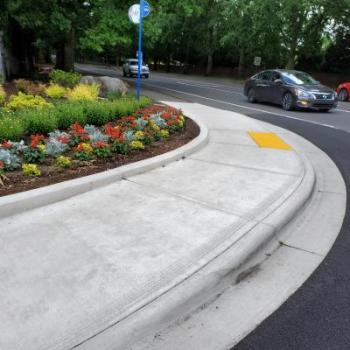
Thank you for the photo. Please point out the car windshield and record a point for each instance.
(298, 78)
(135, 63)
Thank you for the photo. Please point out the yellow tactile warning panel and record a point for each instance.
(268, 140)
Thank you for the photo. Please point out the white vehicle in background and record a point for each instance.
(130, 68)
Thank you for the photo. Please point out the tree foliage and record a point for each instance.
(284, 33)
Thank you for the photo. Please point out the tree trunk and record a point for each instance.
(212, 38)
(241, 63)
(20, 51)
(292, 54)
(65, 56)
(60, 56)
(155, 63)
(185, 68)
(209, 63)
(69, 54)
(168, 63)
(3, 61)
(291, 60)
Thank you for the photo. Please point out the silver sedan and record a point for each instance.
(130, 68)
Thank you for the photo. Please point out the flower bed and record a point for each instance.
(41, 159)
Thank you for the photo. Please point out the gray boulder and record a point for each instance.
(108, 84)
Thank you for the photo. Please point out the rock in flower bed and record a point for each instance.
(80, 150)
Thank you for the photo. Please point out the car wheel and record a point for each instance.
(343, 95)
(287, 101)
(251, 96)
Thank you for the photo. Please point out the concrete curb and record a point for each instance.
(208, 278)
(23, 201)
(243, 298)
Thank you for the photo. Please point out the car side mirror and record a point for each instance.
(278, 82)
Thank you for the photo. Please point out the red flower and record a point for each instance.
(170, 122)
(121, 139)
(112, 131)
(35, 140)
(146, 117)
(2, 165)
(63, 139)
(100, 144)
(166, 116)
(6, 144)
(76, 128)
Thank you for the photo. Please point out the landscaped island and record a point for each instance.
(50, 133)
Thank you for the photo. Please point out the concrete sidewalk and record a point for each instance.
(71, 270)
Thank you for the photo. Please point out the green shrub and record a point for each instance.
(2, 95)
(97, 113)
(38, 120)
(56, 91)
(22, 100)
(10, 128)
(144, 101)
(68, 113)
(84, 92)
(114, 95)
(66, 79)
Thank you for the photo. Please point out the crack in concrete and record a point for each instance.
(301, 249)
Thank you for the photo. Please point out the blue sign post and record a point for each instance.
(136, 14)
(139, 52)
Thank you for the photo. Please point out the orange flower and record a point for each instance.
(35, 140)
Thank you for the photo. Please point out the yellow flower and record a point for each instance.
(42, 148)
(56, 91)
(63, 162)
(154, 126)
(87, 148)
(84, 92)
(139, 135)
(136, 145)
(164, 133)
(30, 170)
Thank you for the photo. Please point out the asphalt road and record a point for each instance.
(317, 316)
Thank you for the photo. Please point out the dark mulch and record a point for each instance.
(50, 174)
(10, 89)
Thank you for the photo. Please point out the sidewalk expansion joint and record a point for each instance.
(331, 192)
(232, 144)
(301, 249)
(242, 167)
(190, 199)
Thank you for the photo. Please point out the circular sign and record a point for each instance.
(146, 8)
(134, 13)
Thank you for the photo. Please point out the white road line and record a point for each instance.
(245, 107)
(213, 88)
(343, 110)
